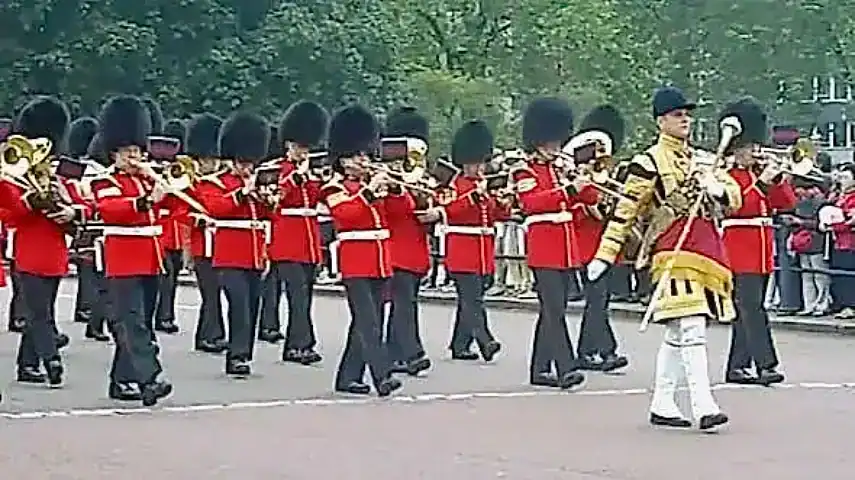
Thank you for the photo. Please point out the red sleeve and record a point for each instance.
(588, 195)
(80, 204)
(221, 203)
(781, 196)
(14, 203)
(112, 204)
(533, 201)
(399, 205)
(346, 209)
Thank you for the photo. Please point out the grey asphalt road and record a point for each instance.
(462, 421)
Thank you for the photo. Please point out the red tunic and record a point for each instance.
(844, 237)
(362, 248)
(470, 228)
(296, 234)
(552, 226)
(410, 250)
(749, 236)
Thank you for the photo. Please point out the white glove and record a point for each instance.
(596, 269)
(769, 173)
(158, 192)
(713, 187)
(249, 186)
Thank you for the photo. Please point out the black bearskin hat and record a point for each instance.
(407, 122)
(275, 148)
(604, 120)
(546, 119)
(244, 136)
(304, 123)
(156, 115)
(43, 117)
(753, 120)
(472, 144)
(96, 151)
(175, 128)
(203, 136)
(353, 130)
(80, 135)
(124, 121)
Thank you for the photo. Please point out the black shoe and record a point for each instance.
(209, 346)
(570, 380)
(311, 357)
(31, 375)
(741, 376)
(355, 388)
(417, 366)
(167, 326)
(613, 361)
(270, 336)
(769, 376)
(61, 340)
(238, 368)
(544, 379)
(464, 355)
(398, 366)
(155, 391)
(82, 316)
(711, 421)
(591, 363)
(124, 391)
(488, 353)
(54, 373)
(674, 422)
(387, 386)
(93, 334)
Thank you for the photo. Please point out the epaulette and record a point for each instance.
(645, 161)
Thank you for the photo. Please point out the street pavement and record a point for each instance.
(461, 421)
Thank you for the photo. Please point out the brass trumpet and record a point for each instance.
(797, 160)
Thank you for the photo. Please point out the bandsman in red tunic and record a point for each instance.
(601, 134)
(468, 233)
(362, 249)
(547, 197)
(410, 253)
(295, 248)
(269, 323)
(173, 240)
(749, 237)
(41, 250)
(132, 256)
(241, 233)
(203, 145)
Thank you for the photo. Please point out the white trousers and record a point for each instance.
(683, 357)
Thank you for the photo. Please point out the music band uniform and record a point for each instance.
(597, 342)
(747, 232)
(468, 231)
(361, 251)
(295, 247)
(41, 251)
(132, 253)
(700, 287)
(203, 132)
(173, 239)
(410, 255)
(269, 323)
(547, 199)
(241, 232)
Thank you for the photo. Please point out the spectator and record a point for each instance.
(843, 258)
(811, 247)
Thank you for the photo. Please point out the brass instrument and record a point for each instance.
(27, 163)
(172, 185)
(798, 160)
(182, 173)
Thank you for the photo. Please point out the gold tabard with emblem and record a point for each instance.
(657, 189)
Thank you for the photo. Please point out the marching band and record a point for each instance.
(132, 192)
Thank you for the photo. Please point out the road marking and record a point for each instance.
(428, 398)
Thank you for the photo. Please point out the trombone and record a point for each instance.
(797, 160)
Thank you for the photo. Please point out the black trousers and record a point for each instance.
(620, 281)
(210, 325)
(751, 335)
(38, 345)
(86, 290)
(364, 345)
(844, 285)
(271, 296)
(299, 279)
(551, 338)
(173, 262)
(243, 289)
(17, 307)
(470, 322)
(596, 335)
(134, 300)
(403, 339)
(102, 305)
